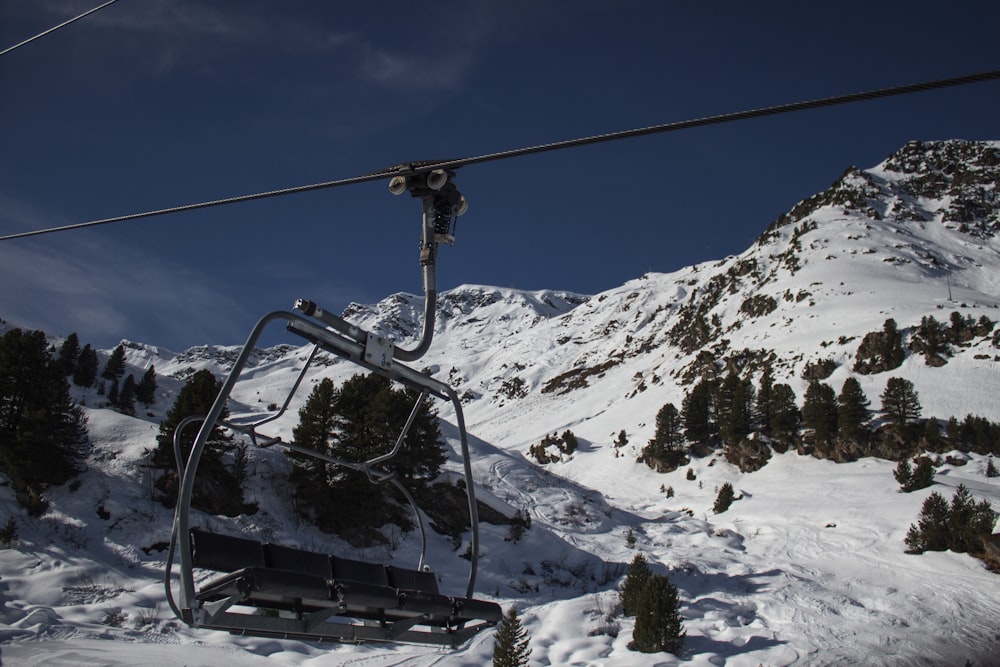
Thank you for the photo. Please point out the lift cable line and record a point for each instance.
(54, 28)
(428, 166)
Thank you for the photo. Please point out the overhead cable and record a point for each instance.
(413, 168)
(54, 28)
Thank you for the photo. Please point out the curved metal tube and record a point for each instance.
(182, 513)
(180, 533)
(171, 548)
(470, 493)
(427, 333)
(284, 406)
(420, 524)
(428, 260)
(178, 454)
(402, 434)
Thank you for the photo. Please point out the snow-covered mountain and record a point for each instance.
(807, 567)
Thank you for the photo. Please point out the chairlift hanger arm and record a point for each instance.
(319, 601)
(414, 168)
(214, 612)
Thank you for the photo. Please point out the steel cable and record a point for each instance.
(421, 167)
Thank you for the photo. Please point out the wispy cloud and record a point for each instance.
(410, 71)
(175, 33)
(105, 290)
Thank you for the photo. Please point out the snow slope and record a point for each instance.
(806, 567)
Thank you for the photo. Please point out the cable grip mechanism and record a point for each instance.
(443, 204)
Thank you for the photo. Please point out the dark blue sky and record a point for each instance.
(153, 103)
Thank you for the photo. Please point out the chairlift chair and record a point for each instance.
(271, 590)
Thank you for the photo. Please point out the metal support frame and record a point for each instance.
(442, 203)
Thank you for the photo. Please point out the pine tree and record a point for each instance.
(852, 412)
(630, 539)
(697, 411)
(954, 431)
(126, 397)
(113, 393)
(216, 489)
(8, 534)
(520, 522)
(783, 414)
(316, 430)
(911, 479)
(960, 513)
(635, 580)
(724, 499)
(115, 368)
(569, 443)
(991, 469)
(931, 531)
(959, 526)
(923, 474)
(892, 345)
(980, 524)
(930, 338)
(734, 408)
(69, 354)
(765, 391)
(42, 430)
(373, 415)
(659, 625)
(355, 423)
(900, 401)
(819, 411)
(979, 435)
(665, 451)
(86, 367)
(145, 393)
(903, 474)
(195, 398)
(932, 435)
(914, 541)
(511, 641)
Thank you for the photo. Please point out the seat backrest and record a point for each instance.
(296, 560)
(412, 580)
(346, 569)
(224, 553)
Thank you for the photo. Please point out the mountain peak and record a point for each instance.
(951, 182)
(400, 315)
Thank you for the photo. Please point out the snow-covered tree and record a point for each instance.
(900, 401)
(659, 625)
(511, 641)
(635, 579)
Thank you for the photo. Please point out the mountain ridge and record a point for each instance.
(807, 566)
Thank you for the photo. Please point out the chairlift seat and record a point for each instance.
(471, 608)
(225, 553)
(297, 560)
(322, 597)
(413, 580)
(267, 587)
(281, 577)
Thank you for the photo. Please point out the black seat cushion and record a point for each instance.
(346, 569)
(431, 604)
(267, 584)
(297, 560)
(468, 608)
(225, 553)
(412, 580)
(357, 594)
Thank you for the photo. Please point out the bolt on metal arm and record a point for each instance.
(442, 204)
